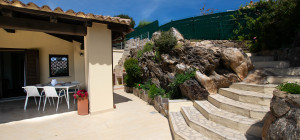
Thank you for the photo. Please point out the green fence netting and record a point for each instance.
(144, 32)
(217, 26)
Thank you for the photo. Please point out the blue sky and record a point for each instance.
(150, 10)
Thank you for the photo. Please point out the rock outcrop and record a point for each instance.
(207, 82)
(283, 121)
(192, 90)
(217, 66)
(239, 62)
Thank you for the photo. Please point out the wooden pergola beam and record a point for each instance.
(41, 26)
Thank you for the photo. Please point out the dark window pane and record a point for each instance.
(59, 65)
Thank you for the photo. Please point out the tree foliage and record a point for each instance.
(269, 24)
(132, 24)
(143, 23)
(205, 11)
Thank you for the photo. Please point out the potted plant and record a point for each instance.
(82, 102)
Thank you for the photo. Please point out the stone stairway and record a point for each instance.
(235, 113)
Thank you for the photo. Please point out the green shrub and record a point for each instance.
(157, 56)
(147, 85)
(138, 85)
(178, 46)
(166, 42)
(269, 24)
(293, 88)
(154, 91)
(147, 48)
(174, 92)
(133, 71)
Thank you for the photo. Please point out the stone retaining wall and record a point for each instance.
(159, 103)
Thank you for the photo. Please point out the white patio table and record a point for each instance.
(63, 86)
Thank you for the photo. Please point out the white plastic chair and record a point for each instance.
(76, 89)
(32, 91)
(51, 92)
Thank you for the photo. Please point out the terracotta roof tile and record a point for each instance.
(46, 8)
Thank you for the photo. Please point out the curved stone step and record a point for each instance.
(246, 96)
(208, 128)
(285, 71)
(271, 64)
(245, 109)
(282, 79)
(237, 122)
(180, 130)
(261, 58)
(268, 89)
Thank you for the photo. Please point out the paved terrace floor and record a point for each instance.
(132, 119)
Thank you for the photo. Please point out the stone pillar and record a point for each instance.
(98, 67)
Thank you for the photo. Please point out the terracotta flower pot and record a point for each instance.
(83, 106)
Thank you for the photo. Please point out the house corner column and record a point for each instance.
(98, 67)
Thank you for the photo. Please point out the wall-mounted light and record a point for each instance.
(81, 54)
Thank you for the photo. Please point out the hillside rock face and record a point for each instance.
(217, 66)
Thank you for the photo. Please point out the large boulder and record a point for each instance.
(155, 35)
(177, 34)
(238, 61)
(283, 121)
(206, 82)
(192, 90)
(225, 80)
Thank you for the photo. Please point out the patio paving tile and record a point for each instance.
(132, 119)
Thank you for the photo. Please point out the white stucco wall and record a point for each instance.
(98, 60)
(46, 44)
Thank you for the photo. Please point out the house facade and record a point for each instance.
(38, 44)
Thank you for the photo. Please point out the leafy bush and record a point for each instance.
(138, 86)
(178, 46)
(180, 79)
(133, 71)
(147, 85)
(157, 56)
(154, 91)
(269, 24)
(166, 42)
(293, 88)
(147, 48)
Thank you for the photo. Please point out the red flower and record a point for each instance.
(81, 93)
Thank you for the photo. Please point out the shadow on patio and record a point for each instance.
(14, 110)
